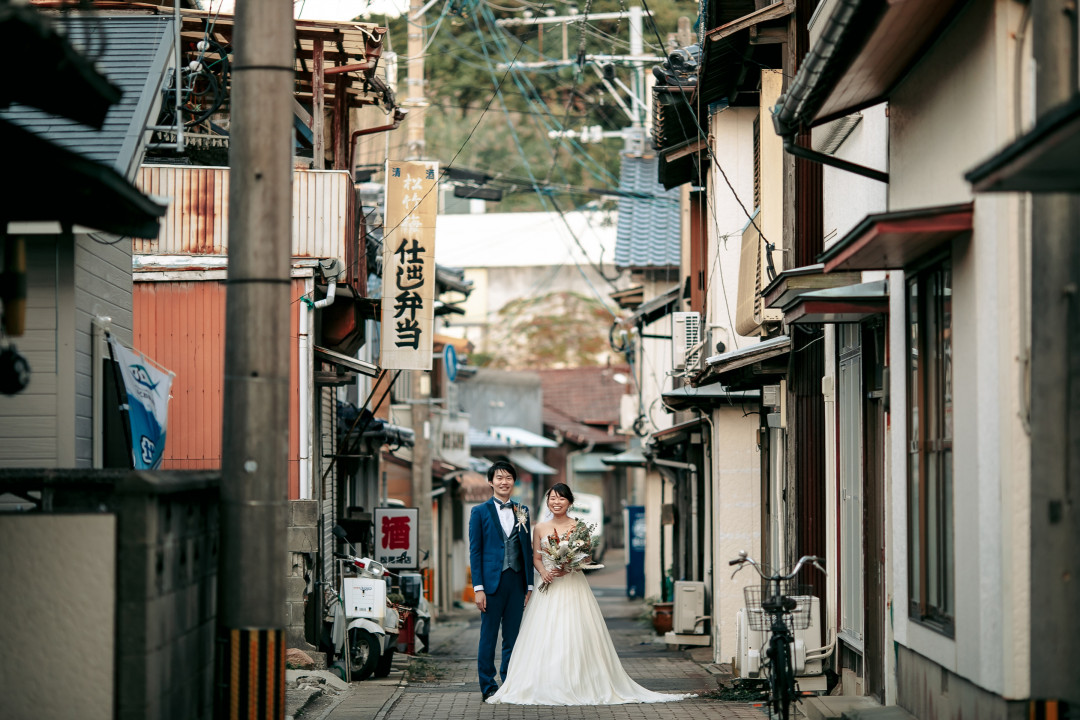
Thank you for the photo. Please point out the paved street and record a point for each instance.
(444, 684)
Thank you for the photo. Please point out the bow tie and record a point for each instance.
(503, 505)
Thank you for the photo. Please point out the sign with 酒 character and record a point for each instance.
(408, 286)
(396, 537)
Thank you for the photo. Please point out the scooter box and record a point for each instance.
(364, 597)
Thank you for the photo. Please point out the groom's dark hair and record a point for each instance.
(501, 465)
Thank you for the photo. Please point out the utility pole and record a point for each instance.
(1055, 385)
(414, 99)
(250, 652)
(420, 390)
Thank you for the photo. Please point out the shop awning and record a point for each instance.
(388, 434)
(706, 396)
(755, 363)
(848, 304)
(789, 284)
(349, 363)
(661, 305)
(675, 433)
(530, 463)
(863, 53)
(520, 437)
(632, 457)
(1042, 160)
(889, 241)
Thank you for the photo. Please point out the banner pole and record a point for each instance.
(121, 400)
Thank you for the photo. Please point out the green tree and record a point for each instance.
(486, 118)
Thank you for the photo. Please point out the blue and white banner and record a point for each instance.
(147, 388)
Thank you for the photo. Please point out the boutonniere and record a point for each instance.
(522, 514)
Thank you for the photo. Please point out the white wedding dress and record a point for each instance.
(564, 654)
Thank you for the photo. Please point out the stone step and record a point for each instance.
(848, 707)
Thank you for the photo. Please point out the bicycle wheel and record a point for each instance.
(783, 680)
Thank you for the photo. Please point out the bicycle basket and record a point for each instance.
(759, 601)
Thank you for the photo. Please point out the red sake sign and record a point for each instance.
(396, 537)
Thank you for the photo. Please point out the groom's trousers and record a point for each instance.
(504, 608)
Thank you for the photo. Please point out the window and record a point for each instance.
(931, 570)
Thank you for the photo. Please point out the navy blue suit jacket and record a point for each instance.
(486, 549)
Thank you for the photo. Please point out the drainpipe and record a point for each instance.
(399, 115)
(337, 268)
(793, 107)
(692, 469)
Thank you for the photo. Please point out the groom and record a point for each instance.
(500, 555)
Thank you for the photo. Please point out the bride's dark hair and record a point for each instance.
(562, 490)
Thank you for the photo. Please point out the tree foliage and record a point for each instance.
(485, 118)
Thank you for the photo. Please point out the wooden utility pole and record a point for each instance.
(250, 667)
(420, 391)
(414, 97)
(1055, 386)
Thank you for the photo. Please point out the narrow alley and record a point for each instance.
(444, 684)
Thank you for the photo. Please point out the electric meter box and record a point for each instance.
(364, 597)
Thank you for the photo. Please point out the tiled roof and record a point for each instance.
(132, 52)
(583, 402)
(648, 231)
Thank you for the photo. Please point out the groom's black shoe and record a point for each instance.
(488, 694)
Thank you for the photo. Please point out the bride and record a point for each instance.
(564, 654)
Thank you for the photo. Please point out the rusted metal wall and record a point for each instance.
(181, 324)
(197, 221)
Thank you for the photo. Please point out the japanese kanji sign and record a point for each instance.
(408, 296)
(396, 537)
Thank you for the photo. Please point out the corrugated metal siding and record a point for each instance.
(197, 221)
(331, 489)
(182, 326)
(28, 427)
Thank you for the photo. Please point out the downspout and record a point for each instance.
(306, 399)
(793, 106)
(692, 469)
(399, 115)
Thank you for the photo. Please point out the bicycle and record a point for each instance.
(774, 605)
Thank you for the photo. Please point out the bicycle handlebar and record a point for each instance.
(744, 559)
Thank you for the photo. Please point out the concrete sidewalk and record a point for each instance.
(444, 684)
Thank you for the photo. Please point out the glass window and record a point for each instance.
(930, 492)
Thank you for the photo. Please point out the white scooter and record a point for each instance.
(365, 625)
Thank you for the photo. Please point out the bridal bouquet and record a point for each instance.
(569, 553)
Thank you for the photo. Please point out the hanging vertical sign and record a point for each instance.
(396, 533)
(147, 389)
(408, 295)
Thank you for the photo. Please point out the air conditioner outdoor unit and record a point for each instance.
(685, 339)
(751, 644)
(688, 608)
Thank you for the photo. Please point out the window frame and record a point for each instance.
(930, 487)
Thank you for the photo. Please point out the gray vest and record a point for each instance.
(511, 549)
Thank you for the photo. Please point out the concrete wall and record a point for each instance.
(736, 518)
(58, 596)
(952, 111)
